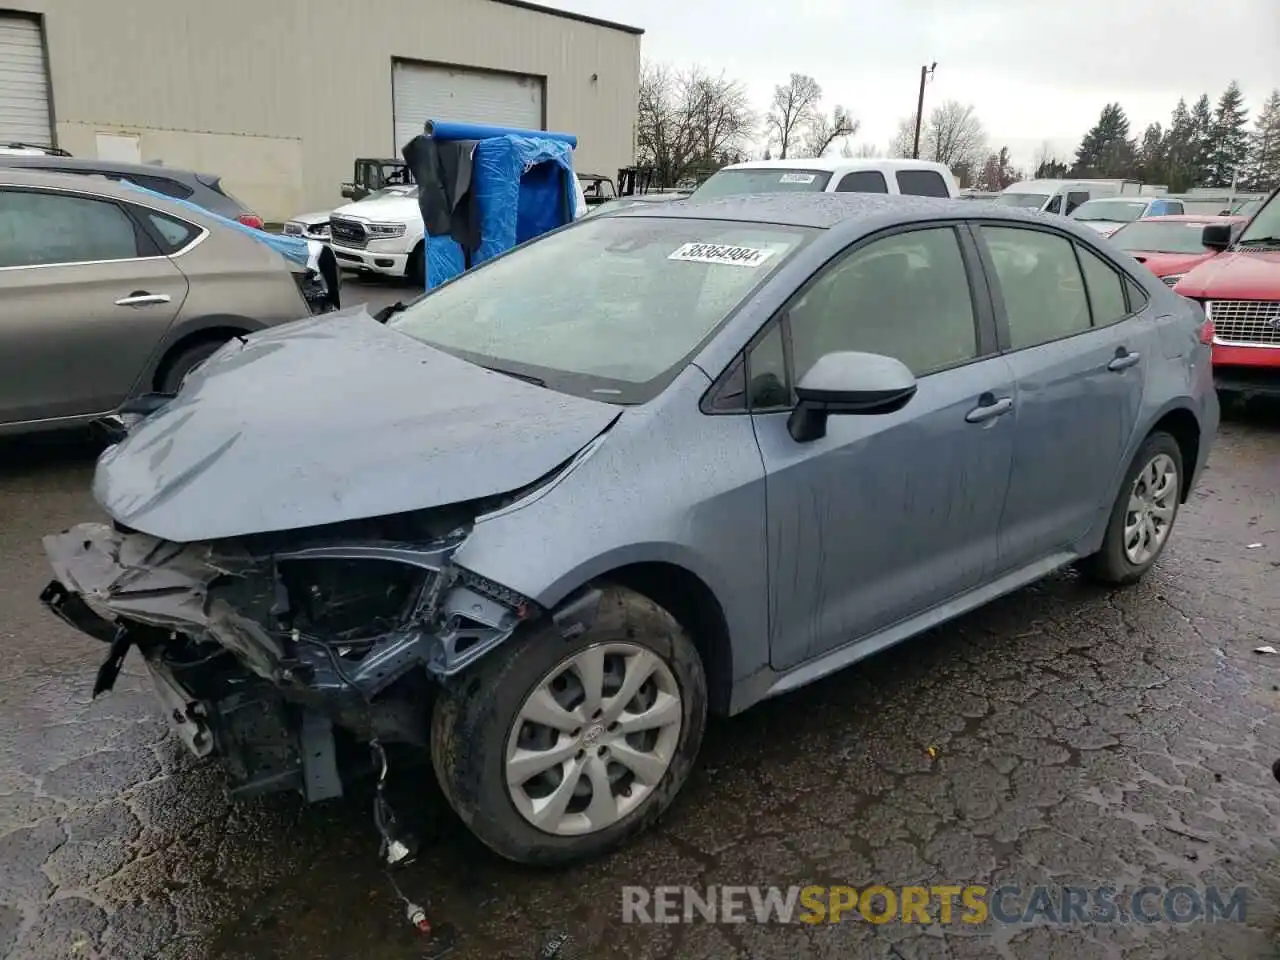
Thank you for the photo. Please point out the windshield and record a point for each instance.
(610, 308)
(1032, 200)
(1161, 236)
(733, 183)
(1115, 211)
(1265, 225)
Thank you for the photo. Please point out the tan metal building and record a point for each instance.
(280, 96)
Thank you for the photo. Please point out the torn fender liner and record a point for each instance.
(333, 419)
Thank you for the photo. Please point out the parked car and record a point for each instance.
(1064, 196)
(311, 226)
(1109, 214)
(1170, 246)
(370, 175)
(735, 446)
(597, 188)
(107, 292)
(203, 189)
(832, 175)
(1240, 292)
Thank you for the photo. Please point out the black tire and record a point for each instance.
(183, 362)
(473, 718)
(415, 269)
(1110, 565)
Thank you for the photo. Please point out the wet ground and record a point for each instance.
(1063, 735)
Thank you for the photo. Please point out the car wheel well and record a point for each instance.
(1181, 424)
(687, 598)
(179, 347)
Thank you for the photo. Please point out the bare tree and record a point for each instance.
(904, 140)
(825, 129)
(792, 110)
(954, 135)
(690, 122)
(863, 151)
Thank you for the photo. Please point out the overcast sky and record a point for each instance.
(1035, 70)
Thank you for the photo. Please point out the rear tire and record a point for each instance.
(483, 747)
(1142, 518)
(183, 362)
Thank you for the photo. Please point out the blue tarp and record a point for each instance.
(523, 182)
(443, 130)
(292, 248)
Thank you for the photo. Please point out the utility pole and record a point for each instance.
(925, 74)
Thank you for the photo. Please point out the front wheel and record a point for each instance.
(1143, 515)
(555, 750)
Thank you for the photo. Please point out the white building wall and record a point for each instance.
(280, 96)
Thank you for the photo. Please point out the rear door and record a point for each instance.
(87, 296)
(1079, 350)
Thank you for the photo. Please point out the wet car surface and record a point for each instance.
(1078, 737)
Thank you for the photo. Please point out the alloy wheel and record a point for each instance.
(1153, 501)
(593, 738)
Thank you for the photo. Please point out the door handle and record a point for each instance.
(1124, 360)
(140, 298)
(989, 410)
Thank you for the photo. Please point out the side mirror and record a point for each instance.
(349, 191)
(847, 383)
(1216, 236)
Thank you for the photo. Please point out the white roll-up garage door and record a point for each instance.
(421, 92)
(24, 84)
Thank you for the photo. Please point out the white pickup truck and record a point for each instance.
(383, 233)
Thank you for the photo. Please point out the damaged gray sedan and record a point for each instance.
(671, 461)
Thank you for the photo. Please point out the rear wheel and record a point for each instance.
(555, 750)
(183, 362)
(1143, 515)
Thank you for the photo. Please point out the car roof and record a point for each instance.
(1193, 218)
(83, 164)
(100, 186)
(825, 210)
(838, 163)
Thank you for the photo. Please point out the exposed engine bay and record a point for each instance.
(260, 647)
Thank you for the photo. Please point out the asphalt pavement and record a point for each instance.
(1064, 735)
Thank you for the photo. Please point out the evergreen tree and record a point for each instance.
(1153, 166)
(1179, 149)
(1201, 144)
(1263, 170)
(1106, 150)
(1228, 138)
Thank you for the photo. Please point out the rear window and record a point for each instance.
(922, 183)
(732, 183)
(862, 181)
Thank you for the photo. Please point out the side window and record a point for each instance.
(906, 296)
(767, 385)
(1054, 205)
(1075, 199)
(48, 228)
(1106, 289)
(1043, 291)
(175, 233)
(862, 181)
(1137, 296)
(922, 183)
(1173, 207)
(1158, 209)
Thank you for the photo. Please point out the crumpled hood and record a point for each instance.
(1235, 275)
(330, 419)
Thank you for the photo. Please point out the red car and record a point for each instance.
(1171, 246)
(1239, 289)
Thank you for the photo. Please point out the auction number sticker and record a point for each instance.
(797, 178)
(721, 253)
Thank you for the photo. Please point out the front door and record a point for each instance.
(888, 514)
(86, 300)
(1079, 350)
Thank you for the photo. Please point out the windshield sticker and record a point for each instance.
(797, 178)
(721, 253)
